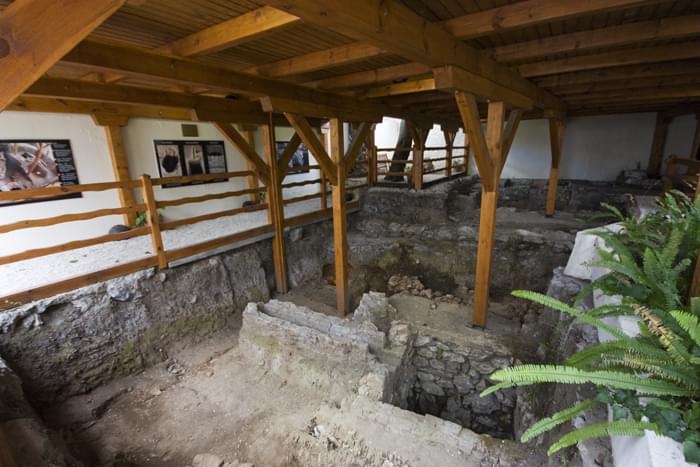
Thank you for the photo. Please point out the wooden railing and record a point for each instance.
(455, 163)
(161, 256)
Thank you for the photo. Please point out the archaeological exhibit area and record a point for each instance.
(314, 233)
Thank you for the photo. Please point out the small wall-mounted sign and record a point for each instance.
(27, 164)
(183, 158)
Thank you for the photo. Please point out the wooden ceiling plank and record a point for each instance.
(665, 28)
(35, 34)
(530, 13)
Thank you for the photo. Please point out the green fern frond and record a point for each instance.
(689, 324)
(498, 387)
(557, 419)
(529, 374)
(564, 308)
(599, 430)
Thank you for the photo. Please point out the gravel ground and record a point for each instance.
(29, 274)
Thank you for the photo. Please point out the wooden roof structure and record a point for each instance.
(400, 57)
(270, 62)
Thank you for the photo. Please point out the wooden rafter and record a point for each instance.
(235, 31)
(35, 34)
(633, 33)
(395, 28)
(407, 87)
(323, 59)
(530, 13)
(612, 59)
(620, 73)
(372, 77)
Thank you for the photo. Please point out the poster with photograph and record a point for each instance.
(184, 158)
(28, 164)
(299, 161)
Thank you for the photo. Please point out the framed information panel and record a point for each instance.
(183, 158)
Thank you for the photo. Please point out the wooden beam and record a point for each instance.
(557, 127)
(288, 153)
(40, 104)
(665, 92)
(509, 132)
(153, 221)
(340, 242)
(407, 87)
(631, 72)
(141, 63)
(626, 34)
(247, 27)
(612, 59)
(466, 103)
(205, 108)
(356, 146)
(360, 112)
(276, 207)
(371, 77)
(249, 135)
(450, 78)
(637, 83)
(487, 215)
(321, 60)
(261, 168)
(35, 34)
(120, 167)
(310, 139)
(656, 154)
(397, 29)
(529, 13)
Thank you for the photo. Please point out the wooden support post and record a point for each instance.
(489, 154)
(154, 223)
(249, 135)
(556, 141)
(120, 167)
(657, 145)
(449, 144)
(340, 243)
(324, 179)
(275, 206)
(419, 136)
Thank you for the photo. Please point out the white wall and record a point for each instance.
(595, 148)
(93, 164)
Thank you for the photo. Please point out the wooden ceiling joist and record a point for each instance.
(136, 62)
(654, 94)
(372, 77)
(633, 33)
(239, 30)
(620, 73)
(395, 28)
(612, 59)
(407, 87)
(531, 13)
(35, 34)
(323, 59)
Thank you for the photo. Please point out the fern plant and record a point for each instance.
(663, 363)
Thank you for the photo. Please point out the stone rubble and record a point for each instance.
(411, 285)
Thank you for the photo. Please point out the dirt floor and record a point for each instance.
(208, 399)
(205, 399)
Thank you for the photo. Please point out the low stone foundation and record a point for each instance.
(74, 342)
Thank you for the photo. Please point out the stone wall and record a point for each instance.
(72, 343)
(451, 376)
